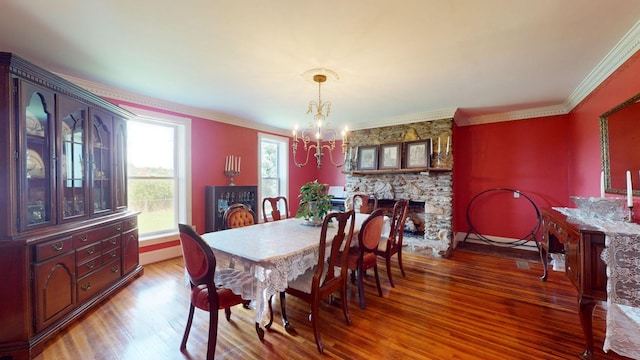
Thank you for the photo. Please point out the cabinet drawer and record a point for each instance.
(129, 224)
(52, 248)
(88, 251)
(88, 265)
(110, 255)
(81, 239)
(111, 243)
(95, 282)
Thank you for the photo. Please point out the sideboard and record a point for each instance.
(582, 246)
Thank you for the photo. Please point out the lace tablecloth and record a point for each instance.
(622, 256)
(269, 255)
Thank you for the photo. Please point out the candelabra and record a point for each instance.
(441, 159)
(232, 168)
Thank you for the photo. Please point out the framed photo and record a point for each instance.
(368, 157)
(418, 154)
(390, 156)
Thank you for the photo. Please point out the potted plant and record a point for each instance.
(315, 203)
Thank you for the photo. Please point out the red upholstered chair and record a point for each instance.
(363, 257)
(328, 276)
(200, 263)
(239, 215)
(275, 209)
(360, 203)
(392, 244)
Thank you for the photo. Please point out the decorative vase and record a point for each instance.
(314, 220)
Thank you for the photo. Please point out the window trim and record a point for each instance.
(182, 165)
(283, 170)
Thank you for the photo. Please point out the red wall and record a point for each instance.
(548, 159)
(525, 155)
(211, 141)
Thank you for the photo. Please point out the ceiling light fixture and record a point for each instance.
(325, 137)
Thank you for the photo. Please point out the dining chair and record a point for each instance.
(392, 244)
(275, 209)
(200, 264)
(238, 215)
(363, 257)
(328, 276)
(360, 203)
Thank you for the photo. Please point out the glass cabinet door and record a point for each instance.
(35, 169)
(101, 160)
(73, 134)
(120, 163)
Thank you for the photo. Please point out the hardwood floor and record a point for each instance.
(468, 306)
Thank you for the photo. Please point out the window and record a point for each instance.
(274, 172)
(158, 172)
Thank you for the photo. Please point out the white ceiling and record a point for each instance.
(397, 61)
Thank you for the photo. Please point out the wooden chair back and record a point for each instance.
(392, 244)
(275, 209)
(363, 257)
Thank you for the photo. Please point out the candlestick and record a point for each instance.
(601, 184)
(629, 190)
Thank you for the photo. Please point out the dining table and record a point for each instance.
(265, 257)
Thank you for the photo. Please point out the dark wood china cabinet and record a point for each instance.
(67, 240)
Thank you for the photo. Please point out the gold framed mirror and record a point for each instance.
(620, 146)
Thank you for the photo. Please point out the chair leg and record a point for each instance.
(400, 261)
(187, 329)
(361, 290)
(388, 262)
(314, 322)
(213, 334)
(375, 271)
(345, 305)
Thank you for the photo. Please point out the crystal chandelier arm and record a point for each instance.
(307, 150)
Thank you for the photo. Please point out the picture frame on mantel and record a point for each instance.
(390, 156)
(368, 157)
(417, 154)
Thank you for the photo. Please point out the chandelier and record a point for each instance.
(318, 136)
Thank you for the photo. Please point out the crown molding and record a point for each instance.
(621, 52)
(513, 115)
(122, 95)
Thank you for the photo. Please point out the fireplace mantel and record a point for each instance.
(424, 171)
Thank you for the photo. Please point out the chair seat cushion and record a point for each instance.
(303, 282)
(200, 297)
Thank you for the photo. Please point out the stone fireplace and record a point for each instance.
(432, 190)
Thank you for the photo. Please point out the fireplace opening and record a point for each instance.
(415, 224)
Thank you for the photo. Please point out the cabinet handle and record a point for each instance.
(86, 286)
(113, 253)
(132, 223)
(118, 228)
(83, 238)
(57, 246)
(112, 241)
(115, 269)
(91, 250)
(90, 265)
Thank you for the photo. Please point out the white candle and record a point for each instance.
(431, 146)
(239, 161)
(448, 138)
(235, 163)
(438, 145)
(629, 190)
(601, 184)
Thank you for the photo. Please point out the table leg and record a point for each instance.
(259, 331)
(545, 265)
(586, 306)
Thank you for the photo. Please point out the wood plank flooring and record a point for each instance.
(467, 306)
